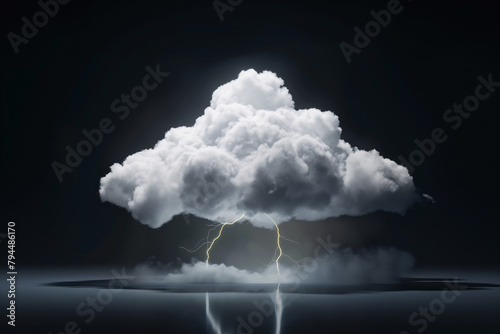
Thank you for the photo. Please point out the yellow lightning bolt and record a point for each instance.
(279, 245)
(217, 237)
(222, 225)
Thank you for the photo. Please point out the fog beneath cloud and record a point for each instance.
(252, 152)
(381, 265)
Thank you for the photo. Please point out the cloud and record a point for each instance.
(251, 152)
(199, 272)
(381, 265)
(429, 198)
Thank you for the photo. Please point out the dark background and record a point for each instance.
(395, 91)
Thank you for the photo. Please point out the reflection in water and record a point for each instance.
(278, 309)
(210, 317)
(216, 327)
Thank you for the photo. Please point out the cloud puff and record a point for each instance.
(380, 265)
(199, 272)
(251, 152)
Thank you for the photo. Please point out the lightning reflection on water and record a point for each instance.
(210, 317)
(278, 309)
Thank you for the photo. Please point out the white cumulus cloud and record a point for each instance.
(252, 152)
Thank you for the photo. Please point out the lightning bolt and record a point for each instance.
(278, 237)
(220, 226)
(277, 299)
(210, 317)
(278, 304)
(217, 237)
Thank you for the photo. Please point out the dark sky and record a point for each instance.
(394, 91)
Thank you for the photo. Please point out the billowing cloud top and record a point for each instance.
(251, 152)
